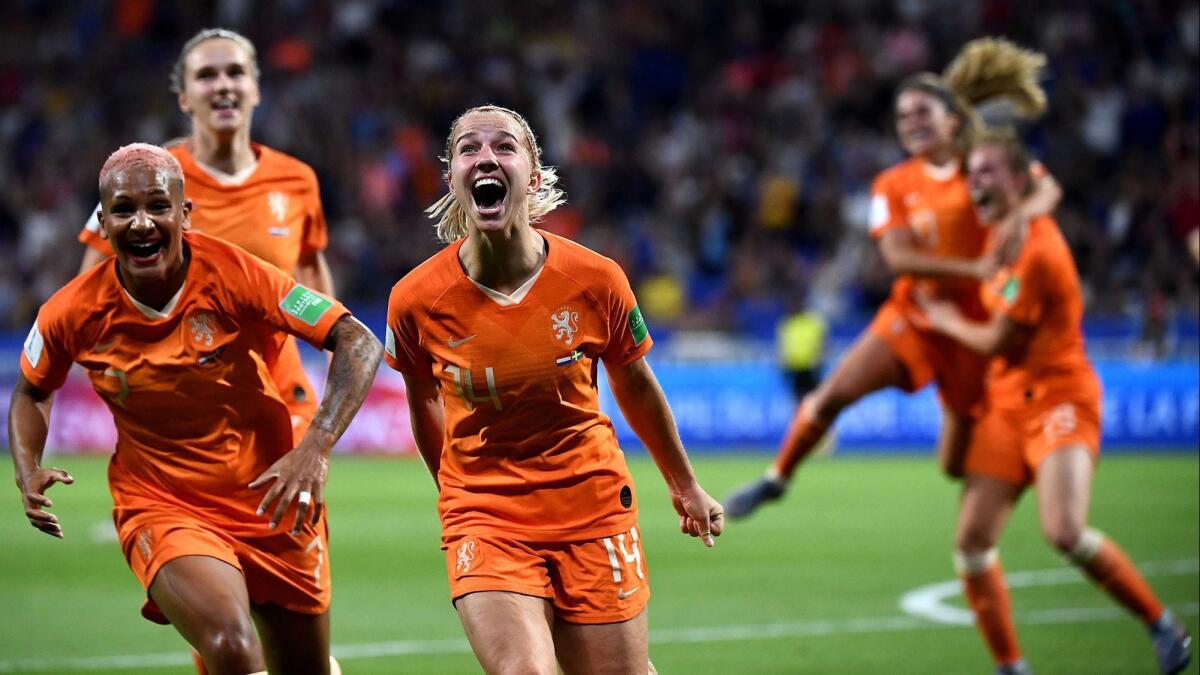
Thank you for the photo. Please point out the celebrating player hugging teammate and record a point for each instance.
(499, 337)
(1042, 421)
(177, 332)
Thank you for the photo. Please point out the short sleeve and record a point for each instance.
(628, 337)
(316, 233)
(276, 299)
(402, 340)
(46, 356)
(90, 235)
(887, 211)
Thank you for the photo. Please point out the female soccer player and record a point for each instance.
(929, 237)
(245, 193)
(499, 337)
(1042, 421)
(175, 333)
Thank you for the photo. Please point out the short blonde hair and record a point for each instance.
(451, 217)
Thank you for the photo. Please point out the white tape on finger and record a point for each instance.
(305, 497)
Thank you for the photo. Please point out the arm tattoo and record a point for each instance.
(356, 355)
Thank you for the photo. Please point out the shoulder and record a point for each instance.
(218, 257)
(895, 175)
(284, 165)
(582, 264)
(81, 298)
(427, 282)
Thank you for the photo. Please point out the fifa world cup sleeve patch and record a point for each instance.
(305, 305)
(34, 346)
(637, 325)
(389, 342)
(1011, 289)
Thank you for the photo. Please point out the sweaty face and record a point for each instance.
(923, 122)
(143, 215)
(220, 91)
(995, 188)
(491, 170)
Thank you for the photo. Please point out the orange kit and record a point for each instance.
(530, 468)
(197, 412)
(1043, 395)
(275, 214)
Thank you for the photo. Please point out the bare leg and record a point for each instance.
(954, 441)
(293, 642)
(205, 599)
(986, 506)
(509, 632)
(603, 649)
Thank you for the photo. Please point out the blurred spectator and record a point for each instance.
(712, 148)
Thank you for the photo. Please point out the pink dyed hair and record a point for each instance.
(144, 155)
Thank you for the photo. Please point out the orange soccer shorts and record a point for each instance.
(597, 581)
(295, 389)
(291, 572)
(929, 356)
(1011, 443)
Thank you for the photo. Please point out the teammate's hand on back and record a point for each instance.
(699, 515)
(300, 476)
(33, 495)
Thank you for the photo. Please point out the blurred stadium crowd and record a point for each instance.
(722, 152)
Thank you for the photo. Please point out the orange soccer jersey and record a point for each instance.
(1042, 394)
(527, 452)
(197, 415)
(274, 213)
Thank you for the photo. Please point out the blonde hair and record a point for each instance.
(984, 70)
(1016, 156)
(451, 217)
(177, 72)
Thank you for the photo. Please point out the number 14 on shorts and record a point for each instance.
(629, 553)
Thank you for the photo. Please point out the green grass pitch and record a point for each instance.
(812, 585)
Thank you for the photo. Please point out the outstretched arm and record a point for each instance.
(645, 407)
(428, 415)
(28, 425)
(356, 354)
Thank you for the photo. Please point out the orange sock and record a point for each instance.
(802, 436)
(987, 595)
(1113, 571)
(200, 669)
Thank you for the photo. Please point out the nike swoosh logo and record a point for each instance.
(105, 346)
(622, 594)
(454, 343)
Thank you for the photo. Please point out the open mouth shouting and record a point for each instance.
(144, 253)
(488, 193)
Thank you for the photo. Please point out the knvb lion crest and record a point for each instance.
(565, 324)
(278, 203)
(202, 329)
(465, 557)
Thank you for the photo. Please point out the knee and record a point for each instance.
(1079, 544)
(974, 540)
(230, 648)
(525, 664)
(1063, 535)
(974, 563)
(826, 403)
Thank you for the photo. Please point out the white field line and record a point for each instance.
(734, 633)
(928, 602)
